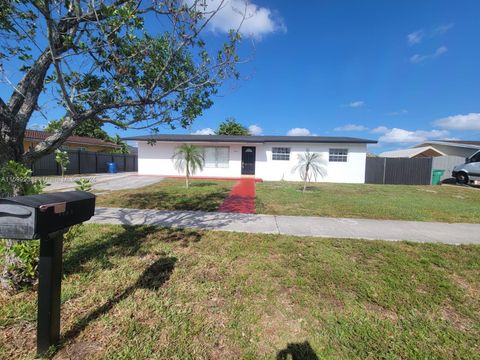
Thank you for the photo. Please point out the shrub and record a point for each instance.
(83, 184)
(21, 258)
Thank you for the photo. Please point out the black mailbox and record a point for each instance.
(34, 216)
(46, 217)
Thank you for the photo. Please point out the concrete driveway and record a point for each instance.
(103, 182)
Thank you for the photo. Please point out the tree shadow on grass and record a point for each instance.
(126, 243)
(167, 201)
(297, 351)
(152, 278)
(202, 184)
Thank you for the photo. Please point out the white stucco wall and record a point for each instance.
(157, 160)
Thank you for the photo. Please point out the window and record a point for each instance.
(475, 158)
(216, 157)
(82, 148)
(280, 153)
(338, 155)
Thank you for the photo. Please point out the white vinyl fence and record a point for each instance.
(447, 163)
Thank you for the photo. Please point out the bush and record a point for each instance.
(83, 184)
(21, 258)
(16, 179)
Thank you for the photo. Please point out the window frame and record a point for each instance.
(216, 166)
(339, 155)
(281, 156)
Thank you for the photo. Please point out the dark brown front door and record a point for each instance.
(248, 160)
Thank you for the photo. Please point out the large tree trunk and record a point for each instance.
(14, 118)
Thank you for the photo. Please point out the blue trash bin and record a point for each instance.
(111, 168)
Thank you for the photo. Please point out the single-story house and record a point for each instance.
(434, 148)
(82, 143)
(263, 157)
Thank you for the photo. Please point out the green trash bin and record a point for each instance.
(437, 176)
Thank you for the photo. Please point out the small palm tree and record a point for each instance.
(310, 165)
(188, 159)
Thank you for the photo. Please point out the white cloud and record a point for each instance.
(299, 132)
(356, 104)
(253, 20)
(418, 36)
(403, 136)
(415, 37)
(460, 122)
(380, 130)
(442, 29)
(417, 58)
(206, 131)
(255, 130)
(351, 127)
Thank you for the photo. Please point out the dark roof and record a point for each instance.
(464, 142)
(250, 139)
(37, 135)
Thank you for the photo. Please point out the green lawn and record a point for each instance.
(144, 293)
(171, 194)
(398, 202)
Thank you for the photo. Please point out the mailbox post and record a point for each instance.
(49, 291)
(46, 217)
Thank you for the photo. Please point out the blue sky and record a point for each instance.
(377, 69)
(397, 71)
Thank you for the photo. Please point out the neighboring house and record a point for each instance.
(83, 143)
(434, 148)
(264, 157)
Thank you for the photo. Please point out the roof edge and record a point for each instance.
(248, 139)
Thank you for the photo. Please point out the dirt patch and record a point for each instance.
(79, 351)
(19, 339)
(381, 312)
(208, 275)
(459, 322)
(278, 327)
(469, 289)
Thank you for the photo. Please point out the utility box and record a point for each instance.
(46, 217)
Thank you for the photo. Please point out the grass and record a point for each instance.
(144, 293)
(396, 202)
(171, 194)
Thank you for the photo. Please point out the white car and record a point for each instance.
(469, 170)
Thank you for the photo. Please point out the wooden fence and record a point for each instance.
(85, 162)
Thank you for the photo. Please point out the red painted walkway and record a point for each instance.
(241, 198)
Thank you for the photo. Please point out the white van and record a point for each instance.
(468, 171)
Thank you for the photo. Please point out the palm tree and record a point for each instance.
(188, 159)
(122, 146)
(310, 164)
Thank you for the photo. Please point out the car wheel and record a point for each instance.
(462, 178)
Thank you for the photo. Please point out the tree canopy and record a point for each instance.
(232, 127)
(90, 128)
(135, 64)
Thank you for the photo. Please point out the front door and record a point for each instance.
(248, 160)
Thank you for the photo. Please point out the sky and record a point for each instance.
(399, 72)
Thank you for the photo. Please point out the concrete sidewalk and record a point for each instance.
(296, 225)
